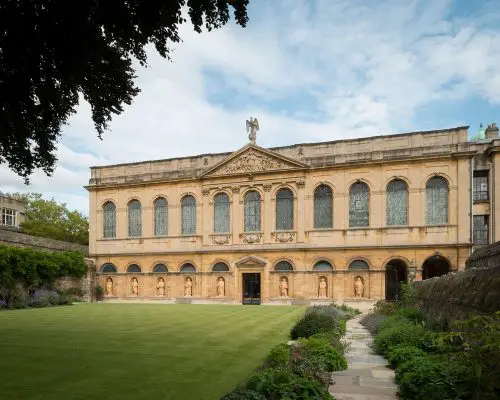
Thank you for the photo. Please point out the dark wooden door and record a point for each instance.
(251, 288)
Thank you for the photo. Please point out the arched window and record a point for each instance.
(221, 213)
(323, 207)
(359, 265)
(133, 268)
(284, 210)
(359, 195)
(188, 215)
(397, 203)
(188, 267)
(322, 266)
(220, 267)
(160, 268)
(252, 211)
(108, 268)
(134, 218)
(283, 266)
(436, 201)
(161, 217)
(109, 212)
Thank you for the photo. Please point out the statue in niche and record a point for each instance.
(188, 287)
(358, 287)
(135, 287)
(221, 287)
(283, 287)
(160, 287)
(322, 287)
(109, 287)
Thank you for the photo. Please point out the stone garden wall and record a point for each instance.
(460, 295)
(14, 238)
(84, 287)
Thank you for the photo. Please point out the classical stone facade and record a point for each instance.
(308, 222)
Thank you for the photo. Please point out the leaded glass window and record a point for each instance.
(480, 232)
(220, 267)
(108, 268)
(397, 203)
(221, 213)
(161, 217)
(323, 207)
(480, 187)
(133, 268)
(134, 218)
(252, 212)
(284, 210)
(109, 212)
(436, 201)
(359, 196)
(188, 268)
(322, 266)
(359, 265)
(159, 268)
(283, 266)
(188, 215)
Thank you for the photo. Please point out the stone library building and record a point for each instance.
(304, 223)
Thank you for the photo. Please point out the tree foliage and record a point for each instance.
(53, 51)
(53, 220)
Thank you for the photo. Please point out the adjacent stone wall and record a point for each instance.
(14, 238)
(462, 294)
(85, 285)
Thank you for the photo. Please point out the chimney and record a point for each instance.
(492, 131)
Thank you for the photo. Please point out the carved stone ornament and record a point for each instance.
(235, 189)
(284, 237)
(205, 191)
(220, 239)
(251, 161)
(267, 187)
(251, 237)
(301, 184)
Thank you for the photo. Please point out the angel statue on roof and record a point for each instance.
(252, 128)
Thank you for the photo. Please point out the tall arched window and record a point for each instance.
(221, 213)
(188, 215)
(252, 212)
(359, 195)
(436, 201)
(134, 218)
(397, 203)
(322, 266)
(161, 217)
(284, 210)
(323, 207)
(109, 222)
(283, 266)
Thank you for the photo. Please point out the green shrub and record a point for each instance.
(433, 378)
(396, 332)
(402, 353)
(373, 321)
(243, 394)
(338, 342)
(407, 294)
(99, 292)
(349, 312)
(315, 322)
(278, 357)
(385, 307)
(411, 313)
(280, 383)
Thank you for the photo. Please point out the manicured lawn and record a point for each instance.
(135, 351)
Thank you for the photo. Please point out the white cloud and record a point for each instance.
(370, 69)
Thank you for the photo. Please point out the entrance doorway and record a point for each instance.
(251, 288)
(395, 274)
(435, 266)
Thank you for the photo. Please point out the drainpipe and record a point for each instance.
(471, 204)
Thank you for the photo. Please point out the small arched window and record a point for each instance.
(359, 265)
(161, 217)
(436, 201)
(252, 212)
(220, 267)
(397, 203)
(160, 268)
(188, 267)
(134, 218)
(133, 268)
(108, 268)
(283, 266)
(188, 215)
(221, 213)
(109, 220)
(322, 266)
(284, 210)
(359, 196)
(323, 207)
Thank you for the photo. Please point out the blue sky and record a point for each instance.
(309, 71)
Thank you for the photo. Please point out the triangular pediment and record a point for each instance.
(250, 261)
(253, 159)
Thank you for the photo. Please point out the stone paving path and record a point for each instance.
(367, 377)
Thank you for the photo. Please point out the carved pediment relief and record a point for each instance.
(252, 159)
(250, 261)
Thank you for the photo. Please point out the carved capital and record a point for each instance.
(205, 191)
(301, 184)
(267, 187)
